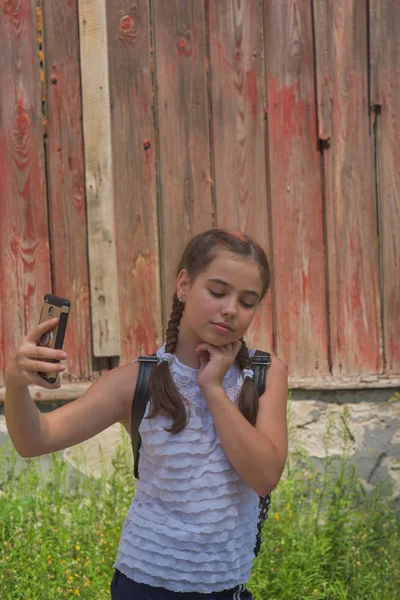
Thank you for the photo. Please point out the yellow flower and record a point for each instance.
(276, 517)
(70, 578)
(287, 506)
(310, 476)
(77, 592)
(77, 547)
(277, 549)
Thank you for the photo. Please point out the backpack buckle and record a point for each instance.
(261, 360)
(151, 359)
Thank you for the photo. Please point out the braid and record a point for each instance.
(164, 395)
(173, 325)
(248, 397)
(243, 357)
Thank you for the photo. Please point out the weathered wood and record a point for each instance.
(238, 127)
(385, 103)
(66, 178)
(323, 80)
(99, 184)
(180, 59)
(24, 244)
(72, 391)
(134, 171)
(352, 245)
(297, 221)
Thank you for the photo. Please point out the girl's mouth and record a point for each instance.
(222, 328)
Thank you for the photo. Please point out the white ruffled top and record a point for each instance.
(192, 524)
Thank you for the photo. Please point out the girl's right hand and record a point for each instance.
(31, 358)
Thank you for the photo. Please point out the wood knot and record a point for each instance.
(147, 144)
(185, 44)
(126, 23)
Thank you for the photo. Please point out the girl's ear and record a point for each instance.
(183, 284)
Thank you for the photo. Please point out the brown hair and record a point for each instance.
(198, 254)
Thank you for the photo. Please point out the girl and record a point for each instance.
(210, 447)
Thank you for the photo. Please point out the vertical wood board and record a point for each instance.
(184, 146)
(66, 178)
(134, 172)
(238, 128)
(350, 199)
(99, 185)
(24, 247)
(297, 219)
(323, 79)
(385, 97)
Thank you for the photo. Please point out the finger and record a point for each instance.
(204, 347)
(41, 365)
(46, 353)
(40, 329)
(40, 381)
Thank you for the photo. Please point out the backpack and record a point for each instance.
(260, 364)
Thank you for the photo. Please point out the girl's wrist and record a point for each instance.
(210, 388)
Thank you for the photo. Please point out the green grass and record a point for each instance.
(325, 537)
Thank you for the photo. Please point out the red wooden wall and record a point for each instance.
(277, 118)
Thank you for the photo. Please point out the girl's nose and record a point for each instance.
(229, 308)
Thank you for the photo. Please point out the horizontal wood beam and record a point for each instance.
(71, 391)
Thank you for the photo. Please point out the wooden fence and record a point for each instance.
(128, 126)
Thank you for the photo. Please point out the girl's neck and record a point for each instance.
(185, 350)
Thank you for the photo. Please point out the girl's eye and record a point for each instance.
(217, 295)
(247, 305)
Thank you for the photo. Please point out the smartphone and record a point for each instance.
(54, 306)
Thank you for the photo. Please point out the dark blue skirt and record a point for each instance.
(123, 588)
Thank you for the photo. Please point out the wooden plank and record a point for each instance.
(385, 99)
(99, 184)
(134, 170)
(66, 178)
(180, 59)
(352, 248)
(72, 391)
(297, 218)
(24, 246)
(238, 127)
(323, 80)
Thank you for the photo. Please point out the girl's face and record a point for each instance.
(220, 303)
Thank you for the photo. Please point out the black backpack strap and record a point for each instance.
(146, 366)
(260, 362)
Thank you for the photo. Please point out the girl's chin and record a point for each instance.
(216, 339)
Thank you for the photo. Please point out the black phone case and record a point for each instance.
(62, 326)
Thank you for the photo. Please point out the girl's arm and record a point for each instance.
(257, 453)
(107, 401)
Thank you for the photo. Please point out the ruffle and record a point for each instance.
(192, 539)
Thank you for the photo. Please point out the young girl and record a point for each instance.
(210, 447)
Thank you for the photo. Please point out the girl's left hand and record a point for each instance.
(215, 362)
